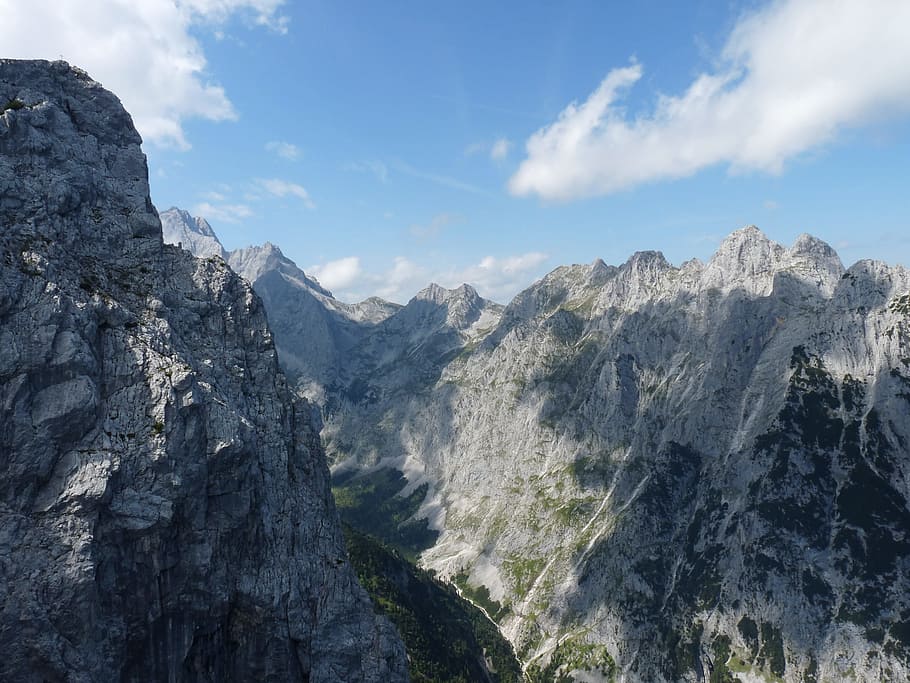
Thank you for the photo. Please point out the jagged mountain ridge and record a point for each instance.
(609, 401)
(178, 227)
(165, 510)
(683, 465)
(300, 307)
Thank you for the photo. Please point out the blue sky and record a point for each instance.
(385, 145)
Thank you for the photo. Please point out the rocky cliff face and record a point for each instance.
(683, 470)
(659, 472)
(663, 473)
(313, 331)
(164, 506)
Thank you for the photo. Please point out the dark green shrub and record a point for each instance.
(13, 104)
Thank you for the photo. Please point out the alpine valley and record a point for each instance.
(641, 472)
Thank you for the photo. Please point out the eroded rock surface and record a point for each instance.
(165, 512)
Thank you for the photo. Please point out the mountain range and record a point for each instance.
(647, 471)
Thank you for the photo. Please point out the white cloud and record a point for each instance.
(337, 274)
(495, 278)
(792, 76)
(400, 282)
(500, 149)
(285, 150)
(285, 188)
(260, 12)
(498, 278)
(228, 213)
(143, 51)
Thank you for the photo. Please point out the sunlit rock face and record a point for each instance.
(657, 471)
(165, 511)
(193, 234)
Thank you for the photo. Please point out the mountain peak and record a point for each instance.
(809, 244)
(746, 259)
(192, 233)
(648, 259)
(746, 240)
(253, 262)
(438, 294)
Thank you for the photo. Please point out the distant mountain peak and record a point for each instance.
(438, 294)
(192, 233)
(809, 244)
(648, 260)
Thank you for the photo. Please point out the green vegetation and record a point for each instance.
(370, 503)
(447, 638)
(157, 427)
(721, 649)
(12, 105)
(480, 596)
(749, 631)
(573, 654)
(523, 572)
(773, 649)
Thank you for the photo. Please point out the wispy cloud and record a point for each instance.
(146, 52)
(258, 12)
(284, 188)
(497, 150)
(445, 181)
(225, 203)
(226, 212)
(500, 149)
(377, 168)
(793, 75)
(285, 150)
(434, 227)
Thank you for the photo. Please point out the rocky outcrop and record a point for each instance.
(165, 512)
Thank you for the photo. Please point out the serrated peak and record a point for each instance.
(438, 294)
(809, 244)
(746, 259)
(193, 233)
(648, 259)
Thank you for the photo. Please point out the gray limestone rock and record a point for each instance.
(193, 234)
(165, 511)
(659, 471)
